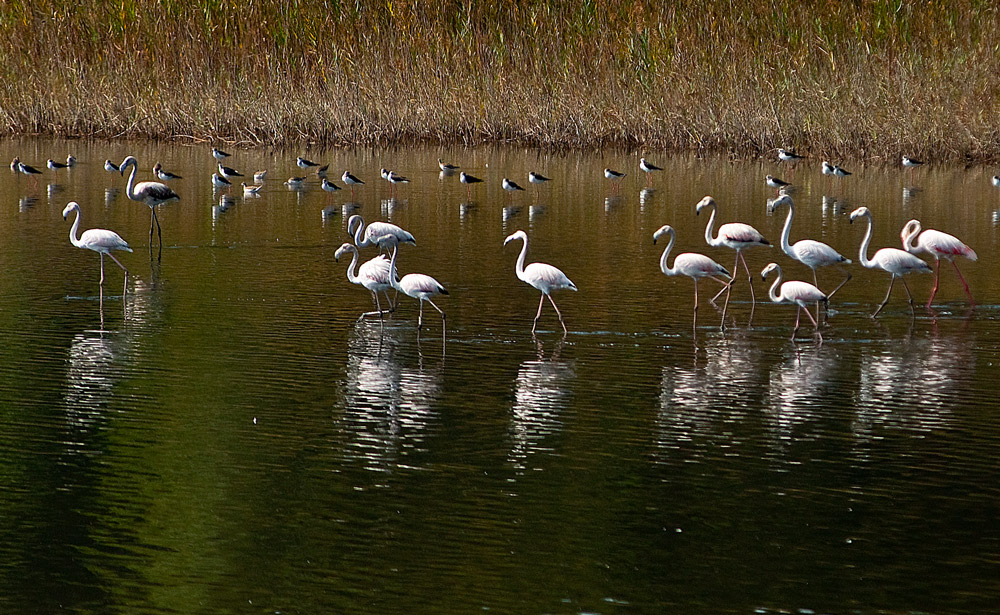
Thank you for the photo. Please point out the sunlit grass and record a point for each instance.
(831, 77)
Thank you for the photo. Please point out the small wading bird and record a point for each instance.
(893, 261)
(537, 178)
(260, 176)
(376, 233)
(304, 163)
(468, 180)
(321, 172)
(511, 187)
(162, 175)
(787, 155)
(373, 275)
(150, 193)
(329, 186)
(828, 169)
(218, 154)
(648, 168)
(939, 245)
(615, 178)
(799, 293)
(809, 252)
(27, 169)
(351, 181)
(219, 181)
(294, 183)
(542, 276)
(447, 168)
(694, 266)
(55, 166)
(911, 163)
(416, 285)
(395, 179)
(71, 160)
(228, 172)
(775, 183)
(735, 236)
(99, 240)
(110, 167)
(251, 190)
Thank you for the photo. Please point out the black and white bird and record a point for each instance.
(305, 163)
(447, 168)
(787, 155)
(351, 181)
(537, 178)
(615, 177)
(776, 183)
(468, 180)
(71, 160)
(329, 186)
(510, 186)
(162, 175)
(55, 166)
(228, 172)
(110, 167)
(647, 168)
(219, 181)
(218, 154)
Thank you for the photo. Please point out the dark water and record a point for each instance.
(228, 439)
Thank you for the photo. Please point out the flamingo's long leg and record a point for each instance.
(695, 294)
(841, 285)
(443, 317)
(117, 262)
(964, 283)
(937, 275)
(908, 294)
(798, 315)
(892, 280)
(558, 313)
(541, 302)
(753, 299)
(729, 292)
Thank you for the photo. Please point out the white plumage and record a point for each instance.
(150, 193)
(376, 233)
(416, 285)
(799, 293)
(542, 276)
(891, 260)
(99, 240)
(373, 274)
(694, 266)
(809, 252)
(940, 246)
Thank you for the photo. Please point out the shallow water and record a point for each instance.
(228, 439)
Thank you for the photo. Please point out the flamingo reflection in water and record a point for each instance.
(541, 394)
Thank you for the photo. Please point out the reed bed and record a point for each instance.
(868, 79)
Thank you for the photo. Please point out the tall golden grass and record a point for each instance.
(865, 79)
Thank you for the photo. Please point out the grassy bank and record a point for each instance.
(829, 77)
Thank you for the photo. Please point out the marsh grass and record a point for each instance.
(867, 79)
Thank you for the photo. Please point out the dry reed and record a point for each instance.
(868, 79)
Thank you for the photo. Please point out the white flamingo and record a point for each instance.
(150, 193)
(799, 293)
(893, 261)
(99, 240)
(735, 236)
(376, 233)
(694, 266)
(542, 276)
(373, 275)
(810, 252)
(939, 245)
(416, 285)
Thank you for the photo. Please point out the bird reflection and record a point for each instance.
(509, 212)
(539, 398)
(910, 385)
(909, 193)
(389, 206)
(53, 190)
(95, 367)
(611, 203)
(701, 405)
(110, 194)
(26, 203)
(387, 407)
(466, 208)
(798, 389)
(535, 211)
(645, 196)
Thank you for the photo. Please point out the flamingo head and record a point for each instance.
(70, 207)
(666, 229)
(707, 201)
(519, 234)
(767, 270)
(129, 160)
(353, 221)
(344, 249)
(783, 199)
(860, 211)
(910, 229)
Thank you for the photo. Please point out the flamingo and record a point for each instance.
(376, 233)
(542, 276)
(648, 167)
(99, 240)
(417, 285)
(735, 236)
(150, 193)
(694, 266)
(799, 293)
(373, 275)
(939, 245)
(809, 252)
(893, 261)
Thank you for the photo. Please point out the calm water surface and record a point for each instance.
(228, 439)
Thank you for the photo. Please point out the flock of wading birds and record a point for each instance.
(379, 274)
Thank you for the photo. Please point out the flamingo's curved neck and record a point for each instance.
(863, 252)
(129, 187)
(352, 275)
(359, 239)
(773, 292)
(666, 253)
(73, 239)
(785, 232)
(908, 238)
(392, 269)
(519, 267)
(709, 227)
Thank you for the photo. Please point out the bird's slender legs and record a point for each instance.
(696, 295)
(101, 283)
(964, 284)
(753, 299)
(892, 280)
(541, 302)
(420, 316)
(443, 317)
(841, 285)
(909, 296)
(125, 289)
(378, 309)
(728, 290)
(937, 275)
(798, 315)
(558, 313)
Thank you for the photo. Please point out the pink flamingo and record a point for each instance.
(542, 276)
(735, 236)
(799, 293)
(382, 234)
(939, 245)
(417, 285)
(893, 261)
(373, 275)
(99, 240)
(694, 266)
